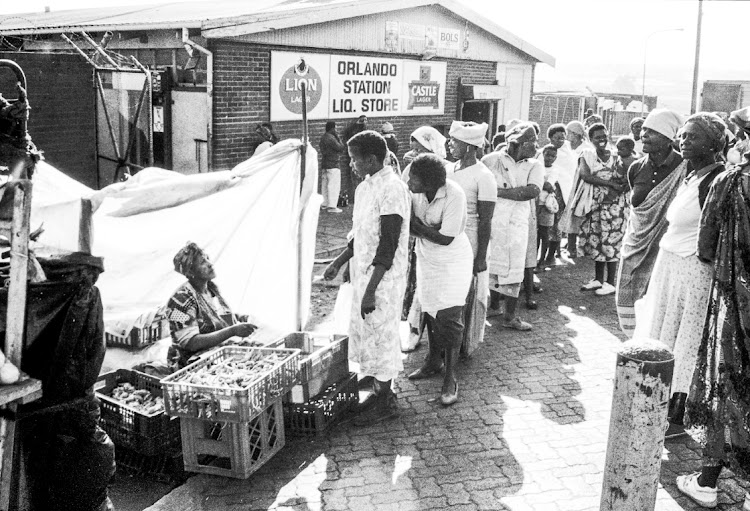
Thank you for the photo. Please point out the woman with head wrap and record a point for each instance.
(653, 181)
(424, 140)
(199, 318)
(674, 308)
(520, 177)
(480, 189)
(717, 407)
(571, 153)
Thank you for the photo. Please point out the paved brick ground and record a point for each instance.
(529, 431)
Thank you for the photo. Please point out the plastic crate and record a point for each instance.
(146, 434)
(232, 404)
(324, 410)
(138, 337)
(232, 449)
(324, 361)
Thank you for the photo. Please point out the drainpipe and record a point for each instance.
(209, 91)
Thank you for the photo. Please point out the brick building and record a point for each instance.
(218, 69)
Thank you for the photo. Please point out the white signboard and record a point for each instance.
(288, 72)
(340, 86)
(449, 39)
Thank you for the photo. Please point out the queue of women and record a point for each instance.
(669, 234)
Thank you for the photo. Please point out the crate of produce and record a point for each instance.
(136, 337)
(324, 361)
(323, 411)
(132, 412)
(233, 449)
(231, 384)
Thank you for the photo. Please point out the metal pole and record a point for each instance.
(638, 422)
(694, 101)
(300, 228)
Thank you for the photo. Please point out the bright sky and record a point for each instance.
(597, 43)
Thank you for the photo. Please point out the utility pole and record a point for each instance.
(694, 102)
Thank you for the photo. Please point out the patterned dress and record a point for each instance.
(717, 407)
(374, 342)
(604, 226)
(191, 313)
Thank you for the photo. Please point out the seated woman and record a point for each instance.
(444, 265)
(199, 318)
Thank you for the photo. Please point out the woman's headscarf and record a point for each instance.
(711, 125)
(431, 139)
(189, 256)
(576, 127)
(469, 132)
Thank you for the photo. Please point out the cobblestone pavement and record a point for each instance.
(529, 431)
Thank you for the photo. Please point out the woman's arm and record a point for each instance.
(587, 177)
(486, 210)
(333, 269)
(421, 230)
(519, 194)
(200, 342)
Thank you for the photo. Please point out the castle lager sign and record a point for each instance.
(340, 86)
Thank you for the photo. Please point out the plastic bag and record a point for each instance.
(342, 309)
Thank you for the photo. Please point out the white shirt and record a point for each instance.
(443, 271)
(684, 217)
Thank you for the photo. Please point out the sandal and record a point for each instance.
(517, 324)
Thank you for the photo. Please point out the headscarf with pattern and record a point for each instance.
(188, 258)
(711, 125)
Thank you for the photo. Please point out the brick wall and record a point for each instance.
(242, 100)
(62, 122)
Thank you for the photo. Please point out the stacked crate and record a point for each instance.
(326, 391)
(231, 430)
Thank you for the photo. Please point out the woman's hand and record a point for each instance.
(618, 187)
(368, 304)
(243, 329)
(547, 187)
(331, 271)
(480, 265)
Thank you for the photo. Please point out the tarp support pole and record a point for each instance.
(303, 154)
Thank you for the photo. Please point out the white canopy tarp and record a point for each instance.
(248, 220)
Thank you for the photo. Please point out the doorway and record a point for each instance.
(480, 111)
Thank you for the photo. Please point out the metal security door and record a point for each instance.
(124, 126)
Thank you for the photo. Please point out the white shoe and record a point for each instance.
(334, 210)
(591, 285)
(703, 496)
(411, 343)
(606, 289)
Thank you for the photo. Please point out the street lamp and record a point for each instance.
(645, 52)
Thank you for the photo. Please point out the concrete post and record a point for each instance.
(640, 400)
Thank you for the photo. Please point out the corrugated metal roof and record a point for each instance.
(238, 17)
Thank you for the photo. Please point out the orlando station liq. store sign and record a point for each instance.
(339, 86)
